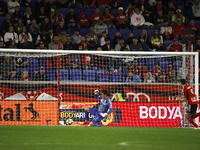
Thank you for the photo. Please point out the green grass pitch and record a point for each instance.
(97, 138)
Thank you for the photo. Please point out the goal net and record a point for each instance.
(49, 87)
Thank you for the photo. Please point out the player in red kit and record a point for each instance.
(192, 101)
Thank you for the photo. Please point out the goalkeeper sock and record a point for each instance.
(86, 116)
(192, 122)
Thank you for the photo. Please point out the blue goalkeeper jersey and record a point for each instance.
(105, 104)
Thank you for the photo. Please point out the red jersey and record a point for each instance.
(84, 22)
(156, 71)
(96, 16)
(135, 69)
(175, 48)
(86, 59)
(188, 92)
(120, 16)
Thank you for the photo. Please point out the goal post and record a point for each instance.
(71, 81)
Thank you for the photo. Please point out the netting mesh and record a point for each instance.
(49, 88)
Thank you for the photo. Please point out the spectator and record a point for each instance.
(144, 71)
(28, 16)
(3, 8)
(166, 31)
(196, 9)
(177, 29)
(26, 43)
(6, 24)
(172, 77)
(130, 10)
(83, 22)
(135, 68)
(130, 38)
(16, 15)
(82, 45)
(192, 25)
(121, 19)
(46, 25)
(10, 36)
(133, 78)
(100, 27)
(102, 38)
(135, 46)
(143, 6)
(34, 30)
(25, 3)
(13, 45)
(37, 6)
(71, 19)
(96, 16)
(68, 44)
(159, 19)
(41, 46)
(121, 45)
(11, 6)
(157, 41)
(149, 78)
(158, 7)
(169, 69)
(63, 3)
(197, 46)
(63, 36)
(144, 39)
(137, 20)
(60, 27)
(74, 3)
(163, 78)
(25, 32)
(92, 38)
(25, 76)
(49, 37)
(107, 46)
(103, 4)
(41, 75)
(18, 26)
(175, 46)
(180, 6)
(51, 6)
(89, 3)
(41, 15)
(115, 3)
(117, 37)
(108, 18)
(76, 37)
(56, 17)
(149, 20)
(178, 18)
(54, 45)
(156, 71)
(8, 68)
(86, 61)
(170, 10)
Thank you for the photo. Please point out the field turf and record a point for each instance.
(97, 138)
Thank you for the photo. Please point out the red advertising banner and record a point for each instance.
(28, 112)
(131, 114)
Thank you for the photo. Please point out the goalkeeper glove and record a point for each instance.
(96, 91)
(103, 114)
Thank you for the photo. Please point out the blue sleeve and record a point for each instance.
(98, 96)
(109, 107)
(137, 78)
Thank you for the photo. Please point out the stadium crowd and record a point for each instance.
(106, 25)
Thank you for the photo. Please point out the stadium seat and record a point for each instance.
(137, 32)
(32, 3)
(2, 18)
(177, 65)
(51, 73)
(64, 75)
(164, 65)
(89, 75)
(64, 11)
(114, 12)
(32, 63)
(42, 62)
(78, 11)
(125, 33)
(32, 71)
(150, 63)
(167, 43)
(89, 12)
(20, 70)
(197, 22)
(116, 76)
(84, 31)
(103, 75)
(76, 74)
(70, 31)
(150, 32)
(111, 33)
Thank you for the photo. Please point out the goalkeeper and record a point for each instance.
(105, 108)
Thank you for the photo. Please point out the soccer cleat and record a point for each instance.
(86, 123)
(196, 128)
